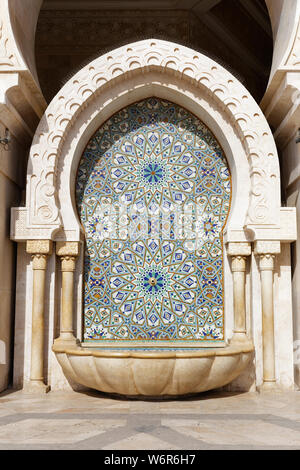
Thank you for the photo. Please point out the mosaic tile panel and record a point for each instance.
(153, 193)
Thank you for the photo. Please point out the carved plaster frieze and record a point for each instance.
(285, 229)
(170, 58)
(20, 229)
(67, 248)
(262, 247)
(41, 247)
(224, 89)
(239, 249)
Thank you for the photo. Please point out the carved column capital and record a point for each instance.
(238, 252)
(39, 250)
(68, 252)
(39, 261)
(238, 263)
(266, 262)
(68, 263)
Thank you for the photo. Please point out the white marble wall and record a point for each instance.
(291, 174)
(21, 107)
(12, 162)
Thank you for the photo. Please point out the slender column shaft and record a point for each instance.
(239, 252)
(67, 268)
(238, 272)
(39, 250)
(266, 265)
(37, 339)
(68, 252)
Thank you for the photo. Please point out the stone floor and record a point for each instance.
(96, 421)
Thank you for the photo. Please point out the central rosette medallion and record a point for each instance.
(154, 282)
(153, 173)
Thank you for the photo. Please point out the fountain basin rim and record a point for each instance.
(229, 350)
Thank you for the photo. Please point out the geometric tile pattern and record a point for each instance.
(153, 194)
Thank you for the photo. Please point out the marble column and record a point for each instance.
(238, 253)
(266, 252)
(39, 250)
(68, 252)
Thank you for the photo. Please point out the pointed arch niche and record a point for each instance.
(255, 239)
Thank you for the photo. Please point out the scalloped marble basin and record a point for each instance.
(155, 373)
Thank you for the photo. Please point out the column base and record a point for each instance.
(269, 387)
(36, 386)
(62, 343)
(239, 338)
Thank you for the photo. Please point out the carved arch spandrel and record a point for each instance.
(170, 59)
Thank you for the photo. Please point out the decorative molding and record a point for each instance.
(43, 247)
(239, 248)
(281, 103)
(21, 101)
(294, 55)
(288, 224)
(20, 230)
(263, 247)
(20, 110)
(285, 230)
(67, 248)
(169, 58)
(283, 111)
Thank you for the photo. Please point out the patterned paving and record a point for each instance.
(97, 421)
(153, 193)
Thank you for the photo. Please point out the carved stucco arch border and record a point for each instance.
(41, 216)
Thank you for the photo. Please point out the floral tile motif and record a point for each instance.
(153, 194)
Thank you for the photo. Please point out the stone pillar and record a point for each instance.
(68, 252)
(239, 253)
(266, 252)
(39, 249)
